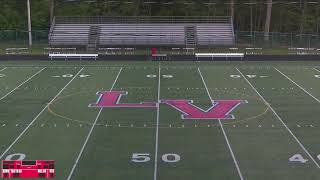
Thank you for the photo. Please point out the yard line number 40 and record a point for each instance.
(299, 158)
(71, 75)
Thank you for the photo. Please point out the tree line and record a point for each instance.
(294, 16)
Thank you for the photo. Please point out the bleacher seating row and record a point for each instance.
(174, 34)
(69, 34)
(217, 34)
(141, 34)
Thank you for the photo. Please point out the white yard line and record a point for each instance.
(3, 69)
(284, 124)
(90, 132)
(298, 85)
(316, 69)
(21, 84)
(22, 133)
(155, 173)
(224, 133)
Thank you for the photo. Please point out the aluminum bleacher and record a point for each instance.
(69, 34)
(142, 31)
(142, 34)
(215, 34)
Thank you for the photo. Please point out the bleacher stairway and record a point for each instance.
(190, 35)
(93, 39)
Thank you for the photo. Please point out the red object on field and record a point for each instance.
(154, 51)
(28, 169)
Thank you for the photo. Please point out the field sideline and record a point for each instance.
(51, 110)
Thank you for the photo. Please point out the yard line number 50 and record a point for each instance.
(145, 157)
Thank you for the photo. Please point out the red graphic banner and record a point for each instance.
(28, 169)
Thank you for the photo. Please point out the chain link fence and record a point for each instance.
(21, 37)
(18, 38)
(277, 40)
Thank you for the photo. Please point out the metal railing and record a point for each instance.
(21, 37)
(141, 19)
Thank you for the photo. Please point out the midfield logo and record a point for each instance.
(220, 109)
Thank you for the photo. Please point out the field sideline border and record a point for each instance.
(90, 132)
(152, 65)
(119, 65)
(170, 57)
(280, 119)
(36, 117)
(223, 131)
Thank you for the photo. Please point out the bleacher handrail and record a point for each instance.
(140, 19)
(232, 27)
(51, 28)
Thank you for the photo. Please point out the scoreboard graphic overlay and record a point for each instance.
(28, 169)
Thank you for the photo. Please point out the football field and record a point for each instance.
(163, 120)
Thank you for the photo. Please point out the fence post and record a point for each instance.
(291, 43)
